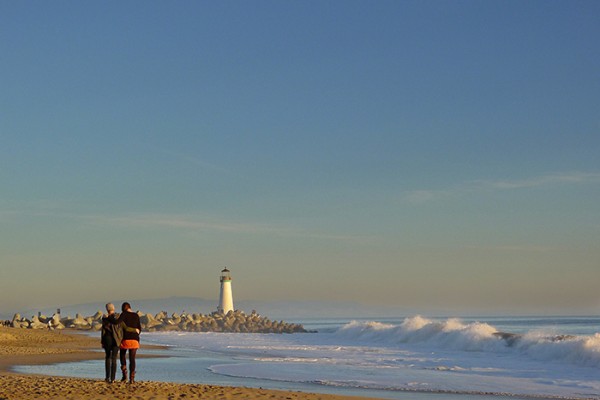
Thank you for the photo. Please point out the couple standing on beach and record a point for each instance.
(119, 335)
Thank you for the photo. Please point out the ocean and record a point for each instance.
(408, 358)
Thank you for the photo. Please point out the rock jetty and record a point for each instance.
(234, 321)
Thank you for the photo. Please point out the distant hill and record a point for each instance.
(286, 310)
(170, 304)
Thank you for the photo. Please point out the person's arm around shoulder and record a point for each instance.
(115, 318)
(138, 325)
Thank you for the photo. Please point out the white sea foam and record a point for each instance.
(452, 334)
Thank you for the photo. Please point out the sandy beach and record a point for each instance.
(27, 346)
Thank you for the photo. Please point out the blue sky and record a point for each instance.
(425, 155)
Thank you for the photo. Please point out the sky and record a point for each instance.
(421, 155)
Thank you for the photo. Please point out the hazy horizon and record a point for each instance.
(289, 311)
(417, 155)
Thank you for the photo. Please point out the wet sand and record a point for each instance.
(34, 347)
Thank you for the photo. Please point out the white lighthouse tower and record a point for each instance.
(225, 297)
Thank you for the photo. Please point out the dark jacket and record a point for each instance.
(112, 332)
(131, 322)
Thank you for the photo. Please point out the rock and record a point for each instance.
(161, 315)
(167, 328)
(19, 322)
(37, 324)
(97, 316)
(96, 325)
(79, 323)
(56, 322)
(234, 321)
(148, 321)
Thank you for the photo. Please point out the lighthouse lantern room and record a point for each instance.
(225, 296)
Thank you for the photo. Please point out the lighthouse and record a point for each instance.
(225, 296)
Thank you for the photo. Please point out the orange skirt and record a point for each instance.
(130, 344)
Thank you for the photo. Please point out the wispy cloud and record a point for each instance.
(547, 180)
(572, 178)
(191, 222)
(35, 208)
(195, 160)
(178, 221)
(8, 214)
(198, 223)
(512, 248)
(422, 196)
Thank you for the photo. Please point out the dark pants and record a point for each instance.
(131, 359)
(110, 362)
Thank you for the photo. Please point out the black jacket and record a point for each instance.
(131, 322)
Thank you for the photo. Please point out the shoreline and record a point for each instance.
(41, 347)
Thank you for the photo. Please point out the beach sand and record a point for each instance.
(32, 347)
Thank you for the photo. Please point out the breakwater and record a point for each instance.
(234, 321)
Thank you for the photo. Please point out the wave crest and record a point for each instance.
(453, 334)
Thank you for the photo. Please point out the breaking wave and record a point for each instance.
(453, 334)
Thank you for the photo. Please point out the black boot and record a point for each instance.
(124, 371)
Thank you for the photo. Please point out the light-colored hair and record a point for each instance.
(110, 307)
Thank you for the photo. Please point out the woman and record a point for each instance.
(131, 340)
(111, 340)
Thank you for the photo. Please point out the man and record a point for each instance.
(112, 335)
